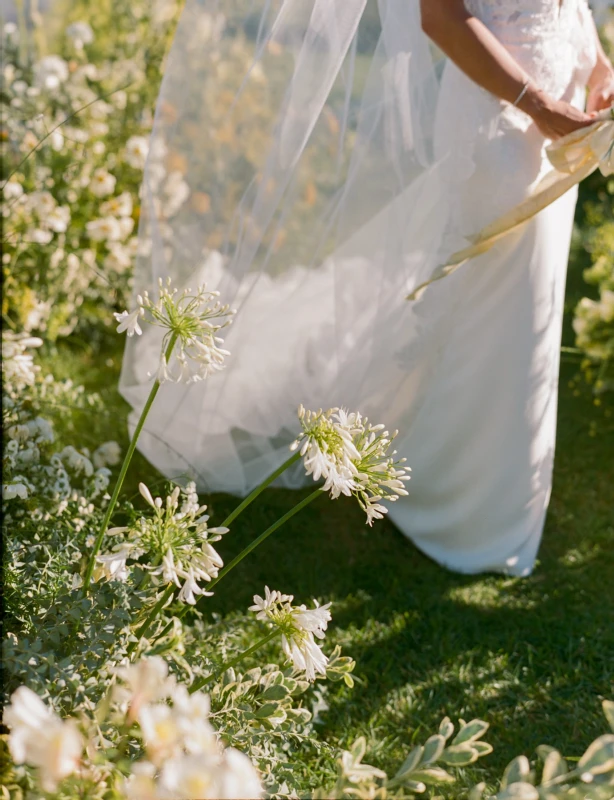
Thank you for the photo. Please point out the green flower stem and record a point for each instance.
(127, 459)
(204, 681)
(252, 546)
(250, 498)
(168, 592)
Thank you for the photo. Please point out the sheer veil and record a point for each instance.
(294, 167)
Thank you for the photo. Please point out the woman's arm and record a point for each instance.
(601, 83)
(481, 56)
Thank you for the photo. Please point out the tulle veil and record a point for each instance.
(294, 167)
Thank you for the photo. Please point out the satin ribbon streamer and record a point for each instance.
(574, 157)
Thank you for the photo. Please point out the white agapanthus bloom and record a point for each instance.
(50, 73)
(298, 626)
(136, 151)
(189, 319)
(113, 564)
(176, 537)
(80, 33)
(102, 183)
(38, 737)
(129, 321)
(352, 457)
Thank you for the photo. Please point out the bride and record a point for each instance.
(316, 162)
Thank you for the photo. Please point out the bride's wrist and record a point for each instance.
(536, 103)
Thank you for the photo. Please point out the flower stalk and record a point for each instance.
(124, 469)
(260, 488)
(233, 661)
(253, 545)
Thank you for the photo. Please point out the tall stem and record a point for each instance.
(167, 594)
(253, 545)
(122, 474)
(267, 482)
(204, 681)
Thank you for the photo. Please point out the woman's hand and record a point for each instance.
(601, 86)
(554, 118)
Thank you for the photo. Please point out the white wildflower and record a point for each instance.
(102, 183)
(120, 206)
(80, 33)
(114, 563)
(50, 72)
(190, 589)
(104, 229)
(107, 455)
(176, 538)
(160, 731)
(77, 461)
(298, 626)
(58, 219)
(136, 151)
(12, 190)
(352, 456)
(17, 365)
(118, 259)
(40, 236)
(40, 738)
(145, 682)
(16, 489)
(189, 319)
(129, 321)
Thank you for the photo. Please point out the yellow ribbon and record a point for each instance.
(574, 157)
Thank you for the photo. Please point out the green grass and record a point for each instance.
(532, 656)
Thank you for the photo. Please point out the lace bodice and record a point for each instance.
(553, 40)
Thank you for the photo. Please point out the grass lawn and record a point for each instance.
(532, 656)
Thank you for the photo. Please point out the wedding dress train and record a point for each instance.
(467, 374)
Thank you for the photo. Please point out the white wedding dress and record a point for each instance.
(467, 374)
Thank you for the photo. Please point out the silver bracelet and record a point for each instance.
(525, 89)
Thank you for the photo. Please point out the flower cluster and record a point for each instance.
(175, 541)
(71, 201)
(352, 456)
(18, 366)
(190, 349)
(593, 325)
(183, 755)
(40, 738)
(298, 625)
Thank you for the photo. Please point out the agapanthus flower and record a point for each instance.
(298, 626)
(352, 457)
(40, 738)
(175, 538)
(190, 320)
